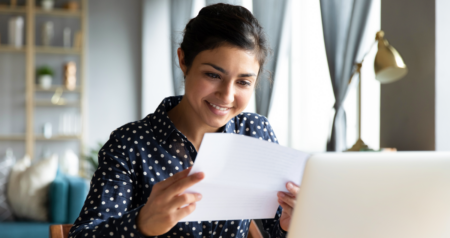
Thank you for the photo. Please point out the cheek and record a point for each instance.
(243, 98)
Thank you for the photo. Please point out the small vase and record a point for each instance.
(45, 81)
(47, 33)
(47, 4)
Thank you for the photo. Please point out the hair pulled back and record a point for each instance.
(220, 24)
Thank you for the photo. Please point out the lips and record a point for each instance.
(218, 110)
(217, 107)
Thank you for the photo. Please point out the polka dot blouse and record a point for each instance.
(140, 154)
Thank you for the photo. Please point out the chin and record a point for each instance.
(217, 123)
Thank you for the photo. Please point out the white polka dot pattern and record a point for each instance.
(148, 151)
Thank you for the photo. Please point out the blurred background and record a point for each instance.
(71, 72)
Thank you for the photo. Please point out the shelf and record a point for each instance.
(52, 89)
(50, 104)
(57, 50)
(58, 12)
(17, 137)
(7, 9)
(7, 48)
(58, 138)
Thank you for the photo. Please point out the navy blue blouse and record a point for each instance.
(140, 154)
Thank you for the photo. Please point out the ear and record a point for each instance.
(181, 61)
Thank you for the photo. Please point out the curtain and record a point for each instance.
(271, 16)
(180, 14)
(343, 27)
(232, 2)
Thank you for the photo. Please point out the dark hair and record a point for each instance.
(221, 24)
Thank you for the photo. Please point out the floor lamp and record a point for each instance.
(389, 67)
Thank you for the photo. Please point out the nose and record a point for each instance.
(226, 92)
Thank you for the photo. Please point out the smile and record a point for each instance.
(218, 108)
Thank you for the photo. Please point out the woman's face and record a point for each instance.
(219, 83)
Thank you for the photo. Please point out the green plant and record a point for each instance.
(44, 70)
(91, 158)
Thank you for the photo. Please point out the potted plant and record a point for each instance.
(45, 76)
(90, 160)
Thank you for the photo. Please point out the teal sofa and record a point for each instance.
(66, 198)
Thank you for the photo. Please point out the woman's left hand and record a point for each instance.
(287, 202)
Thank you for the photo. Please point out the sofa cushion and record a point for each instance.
(59, 199)
(28, 187)
(24, 229)
(78, 190)
(6, 213)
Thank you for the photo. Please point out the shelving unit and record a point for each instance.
(54, 88)
(13, 10)
(12, 49)
(32, 52)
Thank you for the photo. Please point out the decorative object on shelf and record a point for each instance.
(389, 67)
(6, 213)
(70, 75)
(66, 37)
(47, 33)
(45, 77)
(16, 31)
(47, 130)
(78, 40)
(69, 124)
(28, 187)
(71, 5)
(13, 3)
(47, 4)
(57, 97)
(69, 163)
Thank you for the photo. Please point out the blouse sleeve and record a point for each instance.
(272, 226)
(109, 209)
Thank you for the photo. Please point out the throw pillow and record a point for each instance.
(6, 213)
(28, 187)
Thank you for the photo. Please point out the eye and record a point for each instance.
(211, 75)
(244, 83)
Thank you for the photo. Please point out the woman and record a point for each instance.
(143, 167)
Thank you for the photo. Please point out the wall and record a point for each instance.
(407, 119)
(113, 66)
(156, 61)
(442, 76)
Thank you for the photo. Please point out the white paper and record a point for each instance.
(242, 177)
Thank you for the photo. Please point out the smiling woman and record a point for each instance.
(138, 188)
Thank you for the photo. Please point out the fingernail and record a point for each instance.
(282, 195)
(199, 175)
(290, 185)
(199, 196)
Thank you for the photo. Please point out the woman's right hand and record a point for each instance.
(164, 207)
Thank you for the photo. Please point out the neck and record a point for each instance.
(189, 123)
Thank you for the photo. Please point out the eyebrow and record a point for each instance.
(225, 72)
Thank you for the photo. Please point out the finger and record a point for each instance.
(184, 199)
(183, 212)
(171, 180)
(287, 199)
(292, 188)
(286, 208)
(179, 186)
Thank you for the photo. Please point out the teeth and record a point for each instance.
(218, 108)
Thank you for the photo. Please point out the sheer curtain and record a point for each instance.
(271, 14)
(343, 27)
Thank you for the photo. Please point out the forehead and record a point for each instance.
(229, 58)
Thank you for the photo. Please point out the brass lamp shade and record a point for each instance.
(389, 65)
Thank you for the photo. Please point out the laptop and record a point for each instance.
(374, 195)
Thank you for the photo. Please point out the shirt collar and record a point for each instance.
(163, 127)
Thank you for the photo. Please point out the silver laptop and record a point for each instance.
(374, 195)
